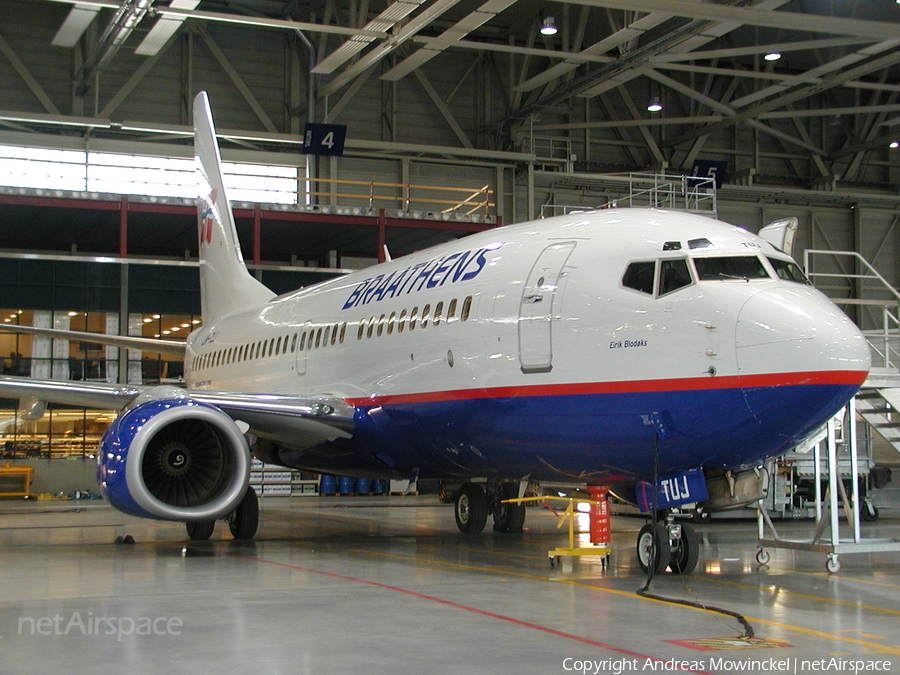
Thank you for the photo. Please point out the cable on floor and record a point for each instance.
(644, 591)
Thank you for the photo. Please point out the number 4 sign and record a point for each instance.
(324, 139)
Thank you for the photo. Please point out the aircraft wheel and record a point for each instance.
(471, 508)
(686, 553)
(509, 517)
(200, 531)
(650, 537)
(244, 520)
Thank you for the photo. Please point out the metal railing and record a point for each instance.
(867, 290)
(407, 195)
(657, 191)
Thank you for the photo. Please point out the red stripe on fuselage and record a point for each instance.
(835, 377)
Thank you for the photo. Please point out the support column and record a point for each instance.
(382, 235)
(257, 234)
(123, 227)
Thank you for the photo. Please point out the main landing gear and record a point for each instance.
(243, 521)
(669, 545)
(473, 503)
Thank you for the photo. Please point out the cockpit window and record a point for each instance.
(639, 276)
(699, 243)
(673, 274)
(744, 267)
(789, 271)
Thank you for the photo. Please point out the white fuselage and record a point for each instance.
(607, 303)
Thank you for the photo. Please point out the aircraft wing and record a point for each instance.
(299, 421)
(84, 394)
(296, 421)
(129, 341)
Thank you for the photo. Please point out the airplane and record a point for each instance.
(651, 350)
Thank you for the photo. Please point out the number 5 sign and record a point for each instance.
(324, 139)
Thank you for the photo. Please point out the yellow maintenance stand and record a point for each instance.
(568, 516)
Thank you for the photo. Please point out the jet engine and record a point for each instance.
(174, 459)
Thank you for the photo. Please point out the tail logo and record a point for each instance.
(207, 217)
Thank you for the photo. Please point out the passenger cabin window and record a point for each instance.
(466, 309)
(673, 274)
(744, 267)
(789, 271)
(639, 276)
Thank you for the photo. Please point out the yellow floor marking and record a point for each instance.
(858, 581)
(631, 595)
(805, 596)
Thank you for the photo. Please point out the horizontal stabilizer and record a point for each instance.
(128, 341)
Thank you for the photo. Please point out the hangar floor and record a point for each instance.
(387, 585)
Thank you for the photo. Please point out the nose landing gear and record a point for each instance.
(668, 545)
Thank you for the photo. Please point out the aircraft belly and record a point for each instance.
(602, 436)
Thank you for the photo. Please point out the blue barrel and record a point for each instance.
(346, 485)
(378, 486)
(363, 484)
(327, 484)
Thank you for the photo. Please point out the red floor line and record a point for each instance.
(456, 605)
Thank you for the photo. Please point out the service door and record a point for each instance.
(302, 348)
(541, 297)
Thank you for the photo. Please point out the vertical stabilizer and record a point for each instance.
(225, 283)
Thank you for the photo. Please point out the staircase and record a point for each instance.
(878, 408)
(853, 283)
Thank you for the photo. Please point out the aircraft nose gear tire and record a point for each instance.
(685, 551)
(201, 531)
(244, 520)
(471, 508)
(509, 517)
(649, 537)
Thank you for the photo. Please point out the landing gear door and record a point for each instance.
(541, 299)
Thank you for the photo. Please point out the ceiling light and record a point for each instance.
(772, 56)
(549, 28)
(147, 320)
(655, 105)
(895, 144)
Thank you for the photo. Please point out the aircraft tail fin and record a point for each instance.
(226, 285)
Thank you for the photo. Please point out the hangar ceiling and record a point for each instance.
(477, 79)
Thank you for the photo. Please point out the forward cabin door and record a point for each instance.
(539, 308)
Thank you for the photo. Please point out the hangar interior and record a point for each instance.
(460, 116)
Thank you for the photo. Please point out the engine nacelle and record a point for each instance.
(174, 459)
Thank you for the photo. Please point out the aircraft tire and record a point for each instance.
(471, 509)
(509, 517)
(244, 520)
(200, 531)
(686, 554)
(645, 542)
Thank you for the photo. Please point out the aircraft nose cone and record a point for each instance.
(800, 359)
(798, 330)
